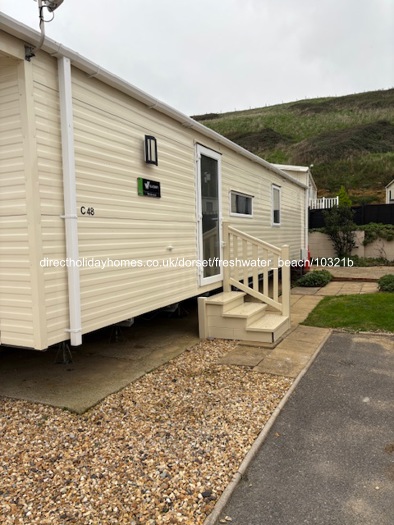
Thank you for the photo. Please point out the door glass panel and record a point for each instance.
(210, 215)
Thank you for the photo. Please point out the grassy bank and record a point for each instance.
(349, 140)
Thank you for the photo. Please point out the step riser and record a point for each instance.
(233, 304)
(250, 316)
(234, 329)
(241, 335)
(254, 317)
(224, 308)
(281, 330)
(226, 322)
(257, 337)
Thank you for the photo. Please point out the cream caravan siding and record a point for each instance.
(21, 315)
(13, 192)
(127, 229)
(16, 318)
(49, 158)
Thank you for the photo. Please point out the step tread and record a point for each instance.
(245, 310)
(224, 297)
(268, 323)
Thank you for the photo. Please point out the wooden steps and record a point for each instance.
(227, 316)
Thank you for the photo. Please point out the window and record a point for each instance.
(241, 204)
(275, 205)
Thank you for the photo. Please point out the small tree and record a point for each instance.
(343, 197)
(340, 227)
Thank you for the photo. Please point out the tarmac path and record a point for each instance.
(329, 457)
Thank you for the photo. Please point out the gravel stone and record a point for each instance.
(160, 451)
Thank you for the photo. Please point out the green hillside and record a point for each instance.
(349, 140)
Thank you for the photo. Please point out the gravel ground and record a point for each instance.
(162, 450)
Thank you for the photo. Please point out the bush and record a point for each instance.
(317, 278)
(339, 226)
(343, 197)
(375, 231)
(386, 283)
(369, 261)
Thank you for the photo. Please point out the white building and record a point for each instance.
(390, 192)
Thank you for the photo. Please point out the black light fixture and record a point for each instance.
(151, 150)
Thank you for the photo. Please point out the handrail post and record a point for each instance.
(286, 281)
(226, 257)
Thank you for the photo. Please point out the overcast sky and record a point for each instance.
(203, 56)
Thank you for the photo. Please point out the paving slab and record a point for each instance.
(292, 355)
(281, 365)
(369, 288)
(302, 308)
(290, 344)
(339, 288)
(334, 288)
(305, 290)
(371, 273)
(305, 333)
(308, 300)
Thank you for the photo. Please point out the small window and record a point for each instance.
(241, 204)
(275, 205)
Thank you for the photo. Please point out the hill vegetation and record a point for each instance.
(349, 140)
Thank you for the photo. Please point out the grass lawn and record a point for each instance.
(364, 312)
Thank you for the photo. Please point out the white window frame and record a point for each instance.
(275, 187)
(207, 152)
(236, 214)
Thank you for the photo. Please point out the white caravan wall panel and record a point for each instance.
(49, 158)
(16, 295)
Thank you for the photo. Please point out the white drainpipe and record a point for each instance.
(70, 200)
(306, 221)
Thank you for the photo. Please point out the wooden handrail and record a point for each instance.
(248, 237)
(272, 253)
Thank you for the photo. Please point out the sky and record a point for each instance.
(202, 56)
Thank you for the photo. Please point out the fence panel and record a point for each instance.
(381, 213)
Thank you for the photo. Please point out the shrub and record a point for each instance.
(340, 227)
(369, 261)
(375, 231)
(386, 283)
(317, 278)
(343, 197)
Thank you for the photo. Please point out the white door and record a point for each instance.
(209, 215)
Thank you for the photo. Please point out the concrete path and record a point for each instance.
(371, 273)
(329, 456)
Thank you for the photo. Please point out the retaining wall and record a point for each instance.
(320, 245)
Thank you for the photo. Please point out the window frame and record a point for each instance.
(241, 194)
(275, 188)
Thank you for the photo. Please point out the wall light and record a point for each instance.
(151, 150)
